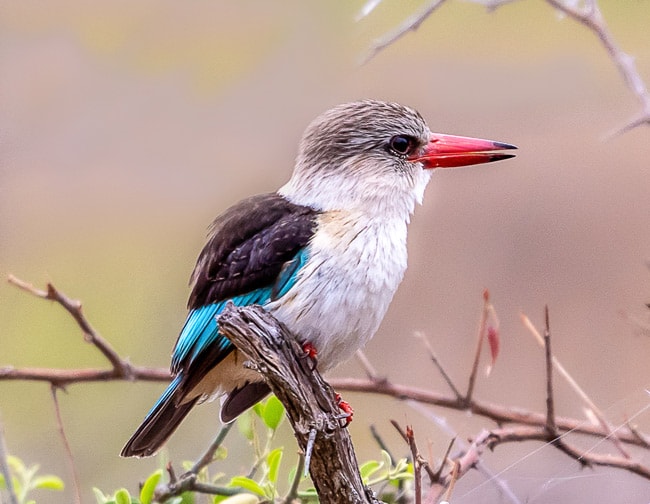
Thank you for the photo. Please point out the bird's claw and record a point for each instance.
(311, 353)
(348, 411)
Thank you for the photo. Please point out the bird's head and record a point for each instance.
(376, 156)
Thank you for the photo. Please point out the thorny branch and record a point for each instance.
(587, 13)
(514, 424)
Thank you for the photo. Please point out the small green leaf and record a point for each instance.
(99, 495)
(187, 498)
(16, 465)
(273, 461)
(245, 425)
(273, 412)
(387, 461)
(247, 484)
(369, 468)
(122, 496)
(149, 487)
(48, 482)
(259, 408)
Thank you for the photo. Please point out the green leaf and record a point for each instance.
(247, 484)
(259, 408)
(15, 464)
(273, 412)
(122, 496)
(387, 461)
(273, 461)
(99, 495)
(149, 487)
(48, 482)
(187, 498)
(369, 468)
(245, 425)
(3, 483)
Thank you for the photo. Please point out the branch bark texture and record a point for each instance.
(309, 401)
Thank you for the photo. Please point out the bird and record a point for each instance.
(324, 254)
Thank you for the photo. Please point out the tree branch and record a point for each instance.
(121, 367)
(309, 401)
(588, 15)
(313, 411)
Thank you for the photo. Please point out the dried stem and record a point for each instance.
(66, 445)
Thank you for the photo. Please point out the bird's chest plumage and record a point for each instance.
(342, 292)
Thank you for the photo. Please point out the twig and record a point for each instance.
(437, 363)
(607, 428)
(591, 17)
(208, 456)
(61, 378)
(411, 24)
(380, 442)
(443, 461)
(121, 367)
(501, 485)
(479, 346)
(4, 468)
(550, 403)
(188, 482)
(497, 413)
(522, 433)
(66, 445)
(370, 370)
(293, 491)
(461, 466)
(452, 482)
(588, 15)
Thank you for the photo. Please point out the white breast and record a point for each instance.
(342, 293)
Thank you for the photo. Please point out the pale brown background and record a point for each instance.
(125, 128)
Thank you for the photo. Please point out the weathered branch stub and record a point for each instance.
(308, 399)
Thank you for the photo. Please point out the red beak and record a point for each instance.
(449, 151)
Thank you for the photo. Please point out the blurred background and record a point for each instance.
(126, 127)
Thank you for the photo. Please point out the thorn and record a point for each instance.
(309, 449)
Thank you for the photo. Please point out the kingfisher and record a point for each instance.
(324, 254)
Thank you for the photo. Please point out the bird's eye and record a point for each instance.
(401, 144)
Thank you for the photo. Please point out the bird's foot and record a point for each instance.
(347, 410)
(310, 350)
(311, 353)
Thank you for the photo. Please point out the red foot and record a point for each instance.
(347, 410)
(310, 350)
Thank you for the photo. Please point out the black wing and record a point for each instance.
(247, 246)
